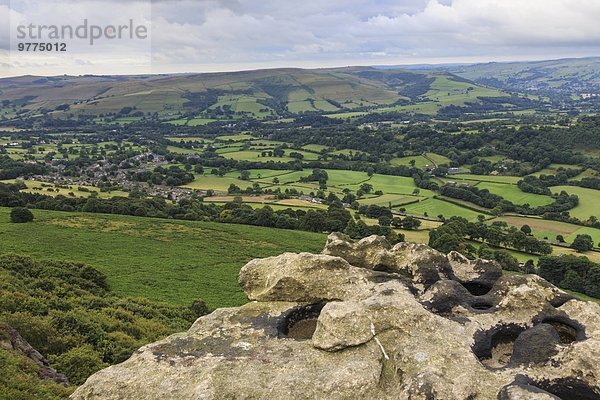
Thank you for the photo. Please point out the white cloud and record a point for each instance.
(192, 35)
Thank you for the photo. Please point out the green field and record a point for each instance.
(259, 173)
(588, 201)
(420, 161)
(171, 261)
(393, 184)
(435, 207)
(314, 147)
(218, 183)
(386, 199)
(488, 178)
(553, 169)
(68, 191)
(254, 155)
(437, 158)
(543, 228)
(513, 194)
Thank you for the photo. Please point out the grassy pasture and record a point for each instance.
(543, 228)
(350, 114)
(189, 139)
(200, 121)
(584, 230)
(259, 173)
(218, 183)
(588, 173)
(553, 169)
(420, 161)
(236, 138)
(181, 150)
(540, 227)
(435, 207)
(588, 201)
(556, 250)
(346, 152)
(437, 158)
(254, 155)
(314, 147)
(513, 194)
(393, 184)
(171, 261)
(494, 159)
(41, 188)
(228, 149)
(384, 200)
(342, 178)
(180, 121)
(487, 178)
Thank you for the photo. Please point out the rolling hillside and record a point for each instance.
(257, 94)
(566, 76)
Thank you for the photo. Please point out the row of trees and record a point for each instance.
(171, 176)
(454, 234)
(565, 271)
(484, 198)
(335, 218)
(572, 273)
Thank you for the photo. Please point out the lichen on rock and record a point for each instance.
(370, 320)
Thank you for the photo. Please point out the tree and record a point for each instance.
(352, 229)
(314, 221)
(366, 187)
(506, 260)
(385, 220)
(21, 215)
(411, 223)
(582, 243)
(560, 238)
(265, 216)
(233, 188)
(199, 308)
(446, 243)
(245, 175)
(526, 229)
(529, 267)
(221, 171)
(592, 286)
(573, 281)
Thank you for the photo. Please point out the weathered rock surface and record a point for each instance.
(12, 341)
(366, 320)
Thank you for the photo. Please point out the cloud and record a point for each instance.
(203, 35)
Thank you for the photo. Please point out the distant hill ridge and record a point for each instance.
(259, 93)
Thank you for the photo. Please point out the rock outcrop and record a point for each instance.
(366, 320)
(12, 341)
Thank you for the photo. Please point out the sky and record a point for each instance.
(226, 35)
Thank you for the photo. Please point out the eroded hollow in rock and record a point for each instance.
(560, 300)
(568, 334)
(494, 348)
(300, 322)
(481, 305)
(476, 288)
(570, 389)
